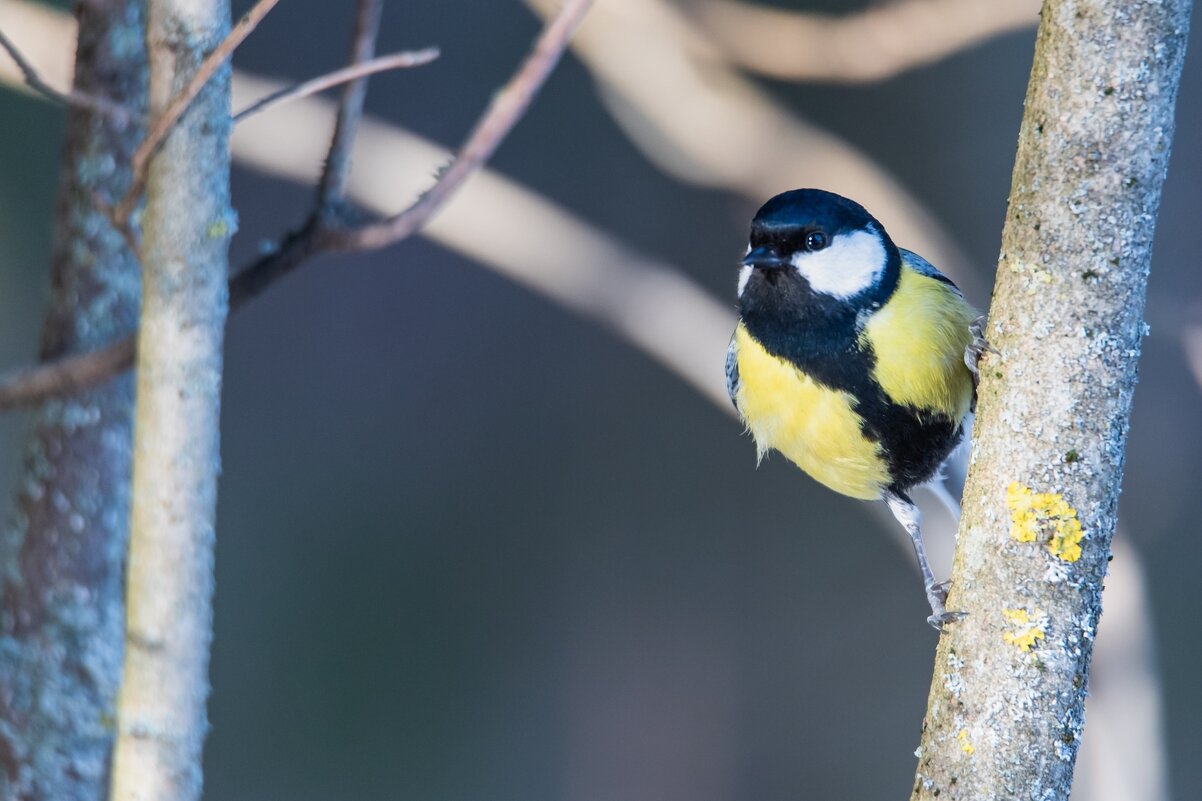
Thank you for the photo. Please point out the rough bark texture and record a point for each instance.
(1005, 714)
(187, 225)
(62, 553)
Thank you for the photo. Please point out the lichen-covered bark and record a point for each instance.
(186, 227)
(62, 553)
(1005, 714)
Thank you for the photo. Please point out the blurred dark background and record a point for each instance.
(471, 546)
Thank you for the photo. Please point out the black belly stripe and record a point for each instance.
(915, 441)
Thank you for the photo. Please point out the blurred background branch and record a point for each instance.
(701, 121)
(870, 45)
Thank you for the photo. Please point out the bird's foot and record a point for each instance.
(977, 348)
(937, 597)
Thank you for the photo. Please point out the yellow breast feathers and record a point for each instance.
(814, 427)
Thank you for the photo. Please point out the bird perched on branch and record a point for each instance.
(854, 358)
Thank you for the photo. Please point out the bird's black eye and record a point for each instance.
(816, 241)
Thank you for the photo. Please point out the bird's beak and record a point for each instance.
(765, 258)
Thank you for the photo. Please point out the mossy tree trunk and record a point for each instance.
(1006, 708)
(63, 552)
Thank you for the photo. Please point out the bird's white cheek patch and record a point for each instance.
(745, 272)
(744, 277)
(849, 265)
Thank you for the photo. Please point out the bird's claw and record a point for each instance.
(977, 348)
(938, 619)
(937, 597)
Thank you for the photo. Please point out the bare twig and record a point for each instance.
(66, 374)
(393, 61)
(502, 114)
(70, 98)
(870, 45)
(165, 122)
(323, 234)
(350, 109)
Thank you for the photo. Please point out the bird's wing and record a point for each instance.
(979, 345)
(923, 267)
(732, 372)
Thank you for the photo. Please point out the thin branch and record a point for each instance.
(72, 98)
(393, 61)
(68, 374)
(321, 234)
(166, 121)
(871, 45)
(350, 110)
(65, 375)
(503, 113)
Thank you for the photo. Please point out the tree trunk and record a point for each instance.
(187, 225)
(64, 550)
(1005, 713)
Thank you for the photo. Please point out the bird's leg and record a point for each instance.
(911, 519)
(978, 347)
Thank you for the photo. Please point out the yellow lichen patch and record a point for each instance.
(1066, 539)
(965, 744)
(1044, 516)
(1028, 628)
(1024, 526)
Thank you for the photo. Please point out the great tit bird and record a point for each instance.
(854, 358)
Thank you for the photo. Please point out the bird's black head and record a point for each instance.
(814, 261)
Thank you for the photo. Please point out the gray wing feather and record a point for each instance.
(732, 372)
(923, 267)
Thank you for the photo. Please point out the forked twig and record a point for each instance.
(322, 232)
(166, 121)
(503, 113)
(337, 168)
(870, 45)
